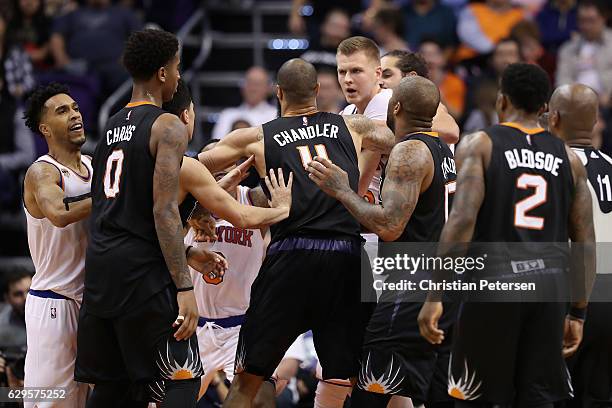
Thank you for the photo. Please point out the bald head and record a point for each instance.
(419, 97)
(573, 111)
(298, 81)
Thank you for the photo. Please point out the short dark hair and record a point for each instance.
(391, 17)
(409, 61)
(13, 276)
(297, 79)
(36, 102)
(527, 86)
(180, 101)
(148, 50)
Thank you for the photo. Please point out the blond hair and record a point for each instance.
(357, 44)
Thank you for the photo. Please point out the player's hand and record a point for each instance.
(428, 322)
(207, 262)
(572, 336)
(12, 380)
(203, 224)
(187, 319)
(230, 181)
(329, 177)
(280, 193)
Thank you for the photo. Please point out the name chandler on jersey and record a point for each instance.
(305, 133)
(120, 134)
(529, 159)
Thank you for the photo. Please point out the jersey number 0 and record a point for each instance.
(114, 166)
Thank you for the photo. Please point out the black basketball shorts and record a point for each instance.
(138, 347)
(509, 353)
(305, 284)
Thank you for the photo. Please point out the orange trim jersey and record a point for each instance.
(529, 188)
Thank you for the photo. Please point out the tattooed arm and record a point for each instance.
(369, 134)
(43, 196)
(409, 171)
(472, 158)
(167, 144)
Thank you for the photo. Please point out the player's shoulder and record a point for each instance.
(377, 108)
(349, 110)
(42, 171)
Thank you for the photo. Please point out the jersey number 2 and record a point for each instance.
(306, 157)
(114, 166)
(521, 219)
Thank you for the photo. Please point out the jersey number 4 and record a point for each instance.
(306, 157)
(112, 175)
(521, 219)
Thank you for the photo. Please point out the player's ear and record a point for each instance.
(554, 120)
(161, 74)
(279, 93)
(543, 109)
(397, 108)
(316, 89)
(44, 130)
(378, 72)
(184, 116)
(412, 73)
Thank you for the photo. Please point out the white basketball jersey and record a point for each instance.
(59, 253)
(244, 249)
(599, 172)
(375, 110)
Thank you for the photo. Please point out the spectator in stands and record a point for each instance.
(527, 34)
(89, 40)
(255, 108)
(322, 51)
(531, 7)
(587, 58)
(482, 25)
(388, 30)
(12, 317)
(330, 96)
(483, 115)
(507, 51)
(31, 29)
(557, 21)
(452, 88)
(319, 10)
(430, 18)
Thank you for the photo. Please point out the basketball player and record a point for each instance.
(511, 353)
(56, 203)
(415, 193)
(138, 288)
(359, 74)
(573, 115)
(223, 298)
(318, 243)
(197, 184)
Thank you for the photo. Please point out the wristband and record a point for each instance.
(187, 250)
(187, 289)
(577, 313)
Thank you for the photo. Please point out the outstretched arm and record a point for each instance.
(370, 134)
(42, 183)
(197, 180)
(410, 164)
(233, 147)
(445, 125)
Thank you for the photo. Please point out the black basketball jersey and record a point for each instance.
(529, 188)
(291, 143)
(433, 207)
(124, 261)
